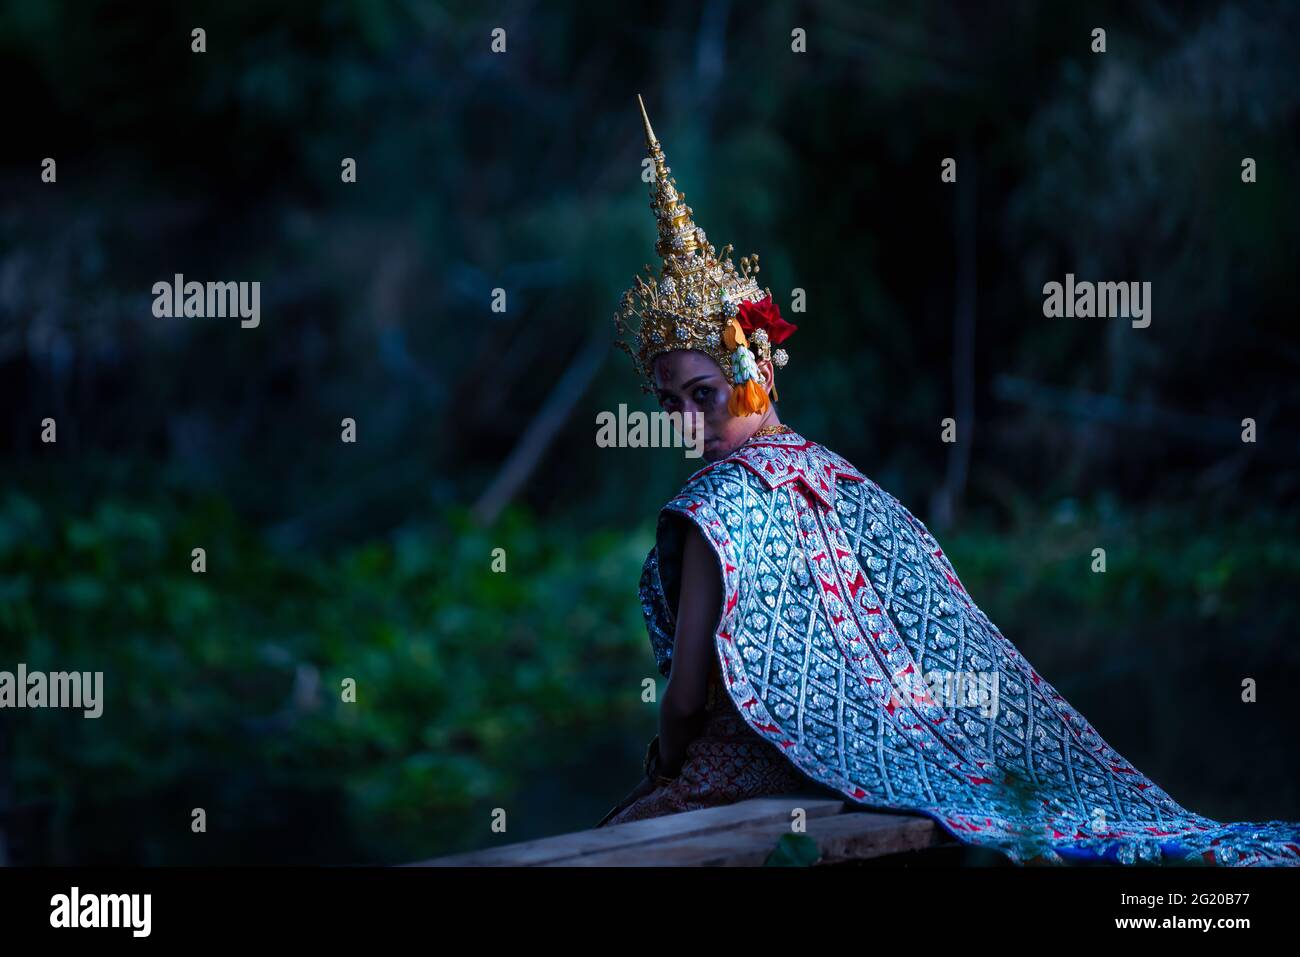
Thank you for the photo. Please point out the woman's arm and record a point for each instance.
(681, 711)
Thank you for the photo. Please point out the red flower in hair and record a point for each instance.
(765, 315)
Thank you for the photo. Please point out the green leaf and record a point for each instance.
(794, 850)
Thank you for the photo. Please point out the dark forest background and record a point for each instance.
(476, 429)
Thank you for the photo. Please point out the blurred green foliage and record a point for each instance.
(222, 689)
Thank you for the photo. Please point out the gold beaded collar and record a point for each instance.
(767, 430)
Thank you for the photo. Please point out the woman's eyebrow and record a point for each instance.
(663, 392)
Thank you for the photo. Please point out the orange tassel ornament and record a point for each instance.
(747, 398)
(749, 395)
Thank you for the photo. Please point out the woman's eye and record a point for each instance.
(703, 394)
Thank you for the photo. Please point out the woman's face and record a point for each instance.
(691, 383)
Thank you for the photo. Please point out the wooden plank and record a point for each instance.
(860, 836)
(856, 835)
(738, 847)
(569, 848)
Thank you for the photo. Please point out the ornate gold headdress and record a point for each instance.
(699, 301)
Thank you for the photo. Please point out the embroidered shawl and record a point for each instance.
(839, 611)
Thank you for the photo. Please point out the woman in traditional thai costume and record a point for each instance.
(802, 615)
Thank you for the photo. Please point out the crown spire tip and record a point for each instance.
(649, 133)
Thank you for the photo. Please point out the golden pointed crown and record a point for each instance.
(696, 295)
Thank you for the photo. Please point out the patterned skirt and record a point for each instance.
(726, 763)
